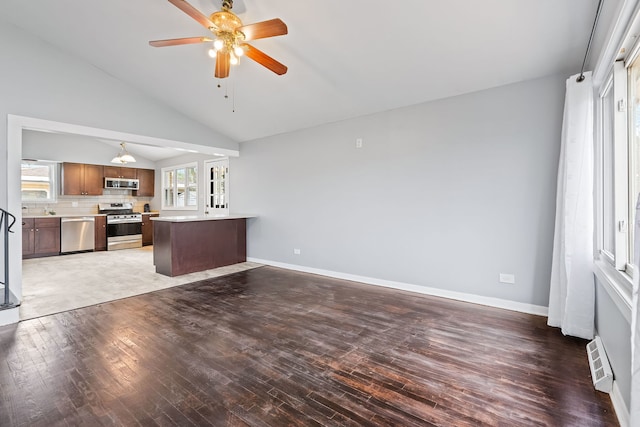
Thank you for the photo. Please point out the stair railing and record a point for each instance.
(6, 222)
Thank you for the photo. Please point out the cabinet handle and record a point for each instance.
(37, 229)
(24, 223)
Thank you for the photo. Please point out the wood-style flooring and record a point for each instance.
(271, 347)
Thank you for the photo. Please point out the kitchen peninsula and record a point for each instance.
(186, 244)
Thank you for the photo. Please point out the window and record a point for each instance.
(634, 148)
(217, 186)
(180, 187)
(38, 181)
(619, 166)
(608, 227)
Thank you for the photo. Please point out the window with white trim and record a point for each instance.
(216, 176)
(38, 181)
(619, 165)
(180, 187)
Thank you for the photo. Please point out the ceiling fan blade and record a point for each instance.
(222, 65)
(194, 13)
(265, 60)
(178, 42)
(264, 29)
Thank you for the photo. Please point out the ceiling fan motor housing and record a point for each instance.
(226, 21)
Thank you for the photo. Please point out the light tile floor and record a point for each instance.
(55, 284)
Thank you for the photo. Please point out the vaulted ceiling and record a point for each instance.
(346, 58)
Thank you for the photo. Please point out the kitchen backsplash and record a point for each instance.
(84, 205)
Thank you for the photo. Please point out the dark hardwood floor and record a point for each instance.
(270, 347)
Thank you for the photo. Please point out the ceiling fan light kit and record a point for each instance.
(230, 39)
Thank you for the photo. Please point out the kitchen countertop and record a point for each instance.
(76, 215)
(191, 218)
(61, 215)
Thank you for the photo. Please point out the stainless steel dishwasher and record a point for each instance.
(77, 234)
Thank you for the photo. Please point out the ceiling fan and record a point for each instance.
(230, 37)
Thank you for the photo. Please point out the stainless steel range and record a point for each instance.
(124, 227)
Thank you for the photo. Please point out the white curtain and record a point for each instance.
(572, 293)
(634, 410)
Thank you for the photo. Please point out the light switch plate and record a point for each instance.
(507, 278)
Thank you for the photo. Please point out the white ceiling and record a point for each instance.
(346, 58)
(149, 152)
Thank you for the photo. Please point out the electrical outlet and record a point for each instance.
(507, 278)
(74, 204)
(359, 143)
(296, 251)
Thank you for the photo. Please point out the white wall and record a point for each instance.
(446, 194)
(615, 330)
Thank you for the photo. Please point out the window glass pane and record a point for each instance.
(218, 187)
(192, 187)
(634, 149)
(38, 181)
(168, 183)
(608, 229)
(180, 187)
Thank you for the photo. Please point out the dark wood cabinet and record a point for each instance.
(28, 232)
(79, 179)
(119, 172)
(146, 177)
(40, 237)
(101, 233)
(187, 246)
(147, 229)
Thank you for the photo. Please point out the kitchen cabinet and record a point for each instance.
(79, 179)
(40, 237)
(184, 245)
(101, 233)
(28, 233)
(147, 229)
(119, 172)
(146, 178)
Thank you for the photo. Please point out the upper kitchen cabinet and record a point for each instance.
(119, 172)
(146, 177)
(80, 179)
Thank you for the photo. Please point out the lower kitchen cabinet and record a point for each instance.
(147, 229)
(101, 233)
(40, 237)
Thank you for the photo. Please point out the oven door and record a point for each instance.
(124, 229)
(124, 235)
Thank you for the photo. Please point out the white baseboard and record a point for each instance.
(622, 412)
(459, 296)
(9, 316)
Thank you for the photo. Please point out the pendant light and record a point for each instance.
(123, 156)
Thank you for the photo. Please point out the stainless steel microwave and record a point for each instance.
(122, 183)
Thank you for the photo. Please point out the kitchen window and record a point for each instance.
(38, 181)
(180, 187)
